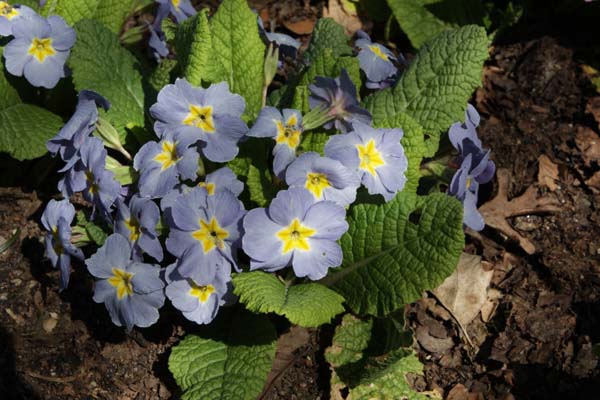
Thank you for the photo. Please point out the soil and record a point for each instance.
(535, 341)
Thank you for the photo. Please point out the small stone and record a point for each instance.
(49, 324)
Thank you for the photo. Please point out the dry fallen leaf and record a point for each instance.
(301, 27)
(344, 16)
(496, 211)
(594, 182)
(588, 143)
(465, 291)
(547, 172)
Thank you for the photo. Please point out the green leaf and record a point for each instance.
(308, 304)
(25, 129)
(251, 166)
(194, 49)
(234, 368)
(422, 20)
(8, 94)
(414, 147)
(390, 382)
(313, 141)
(99, 63)
(395, 251)
(350, 340)
(240, 50)
(113, 13)
(71, 10)
(95, 233)
(327, 34)
(436, 87)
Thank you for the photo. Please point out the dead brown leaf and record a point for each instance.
(588, 143)
(465, 291)
(345, 16)
(496, 211)
(547, 173)
(301, 27)
(594, 182)
(593, 107)
(460, 392)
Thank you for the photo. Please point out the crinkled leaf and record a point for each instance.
(99, 63)
(313, 141)
(422, 20)
(95, 233)
(251, 166)
(8, 94)
(327, 34)
(350, 340)
(113, 13)
(436, 87)
(232, 368)
(161, 76)
(395, 251)
(388, 381)
(240, 50)
(194, 49)
(25, 129)
(71, 10)
(414, 147)
(308, 304)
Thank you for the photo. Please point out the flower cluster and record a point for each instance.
(475, 167)
(40, 46)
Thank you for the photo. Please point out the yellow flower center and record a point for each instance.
(91, 180)
(175, 3)
(7, 11)
(58, 248)
(41, 48)
(295, 236)
(168, 156)
(210, 187)
(211, 235)
(288, 133)
(201, 292)
(370, 157)
(200, 117)
(122, 281)
(133, 225)
(377, 51)
(316, 182)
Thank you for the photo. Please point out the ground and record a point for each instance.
(533, 340)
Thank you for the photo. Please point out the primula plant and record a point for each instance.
(205, 184)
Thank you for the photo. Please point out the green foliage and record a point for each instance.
(413, 142)
(25, 129)
(91, 231)
(99, 63)
(422, 20)
(239, 49)
(194, 48)
(308, 304)
(436, 87)
(390, 258)
(368, 373)
(313, 141)
(252, 166)
(234, 366)
(327, 34)
(8, 94)
(161, 76)
(112, 13)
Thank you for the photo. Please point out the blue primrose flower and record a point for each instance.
(9, 15)
(91, 177)
(464, 139)
(220, 180)
(137, 222)
(324, 178)
(465, 188)
(204, 229)
(82, 124)
(56, 219)
(286, 129)
(162, 164)
(376, 60)
(288, 46)
(376, 154)
(180, 9)
(131, 291)
(338, 96)
(39, 49)
(158, 43)
(211, 116)
(295, 230)
(198, 303)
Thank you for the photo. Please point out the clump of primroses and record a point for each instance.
(183, 205)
